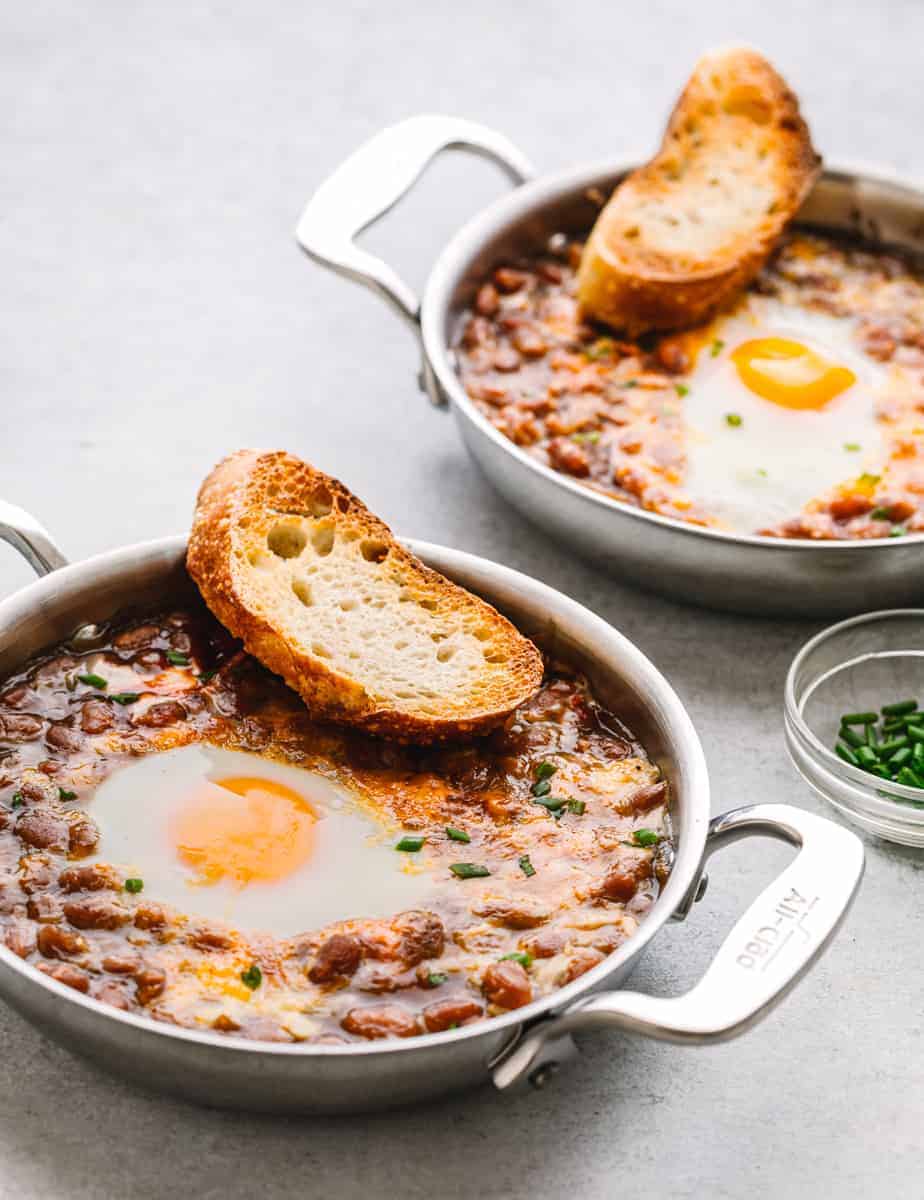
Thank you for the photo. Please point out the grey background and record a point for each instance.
(156, 314)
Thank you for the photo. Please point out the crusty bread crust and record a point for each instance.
(684, 233)
(373, 638)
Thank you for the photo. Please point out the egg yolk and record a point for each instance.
(244, 830)
(789, 374)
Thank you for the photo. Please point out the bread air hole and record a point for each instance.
(495, 656)
(445, 653)
(373, 550)
(348, 604)
(286, 541)
(322, 539)
(320, 650)
(320, 502)
(302, 591)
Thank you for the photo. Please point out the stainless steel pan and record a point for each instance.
(721, 570)
(772, 945)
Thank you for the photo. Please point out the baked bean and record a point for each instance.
(43, 829)
(524, 912)
(381, 1021)
(83, 836)
(150, 983)
(545, 944)
(62, 737)
(444, 1013)
(94, 878)
(422, 936)
(135, 639)
(842, 508)
(506, 359)
(168, 712)
(36, 788)
(113, 994)
(54, 941)
(509, 280)
(337, 958)
(210, 939)
(35, 872)
(477, 333)
(96, 716)
(15, 696)
(645, 798)
(121, 964)
(507, 985)
(225, 1024)
(150, 916)
(96, 912)
(66, 973)
(582, 961)
(20, 727)
(20, 938)
(487, 300)
(622, 880)
(565, 456)
(530, 342)
(44, 907)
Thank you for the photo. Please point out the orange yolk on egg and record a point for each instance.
(244, 830)
(789, 374)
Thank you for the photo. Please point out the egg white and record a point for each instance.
(353, 871)
(766, 469)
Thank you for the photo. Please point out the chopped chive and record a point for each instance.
(761, 472)
(645, 837)
(252, 977)
(851, 737)
(599, 348)
(907, 777)
(94, 681)
(525, 960)
(681, 389)
(915, 732)
(733, 419)
(552, 803)
(64, 794)
(897, 531)
(17, 800)
(868, 480)
(917, 751)
(134, 886)
(852, 447)
(867, 757)
(717, 347)
(880, 771)
(457, 835)
(893, 744)
(630, 383)
(900, 758)
(900, 708)
(872, 737)
(860, 718)
(410, 845)
(586, 439)
(880, 514)
(578, 807)
(176, 659)
(527, 867)
(545, 770)
(541, 788)
(846, 754)
(205, 676)
(125, 697)
(469, 870)
(437, 978)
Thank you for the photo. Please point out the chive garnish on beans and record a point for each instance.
(176, 659)
(545, 770)
(410, 845)
(252, 977)
(469, 870)
(541, 788)
(527, 867)
(577, 806)
(134, 886)
(457, 835)
(645, 837)
(437, 978)
(525, 960)
(17, 801)
(124, 698)
(733, 419)
(94, 681)
(717, 347)
(552, 803)
(64, 794)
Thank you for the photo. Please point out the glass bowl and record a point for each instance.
(857, 666)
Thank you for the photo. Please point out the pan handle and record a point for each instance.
(768, 951)
(373, 179)
(30, 538)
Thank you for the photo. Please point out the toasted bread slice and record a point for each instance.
(684, 233)
(319, 591)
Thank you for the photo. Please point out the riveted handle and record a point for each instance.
(768, 951)
(373, 179)
(31, 539)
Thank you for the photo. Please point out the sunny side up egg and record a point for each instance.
(781, 408)
(261, 845)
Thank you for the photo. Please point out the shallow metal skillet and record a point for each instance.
(773, 944)
(721, 570)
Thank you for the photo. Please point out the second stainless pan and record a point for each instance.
(721, 570)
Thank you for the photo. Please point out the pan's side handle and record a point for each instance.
(30, 538)
(374, 178)
(767, 952)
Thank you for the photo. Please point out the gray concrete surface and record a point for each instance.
(155, 313)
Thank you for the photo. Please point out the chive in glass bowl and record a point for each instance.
(859, 665)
